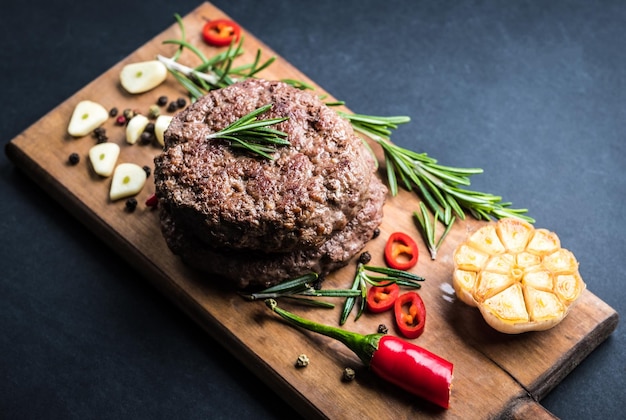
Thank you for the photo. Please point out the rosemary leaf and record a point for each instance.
(253, 134)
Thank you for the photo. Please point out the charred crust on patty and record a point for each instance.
(230, 204)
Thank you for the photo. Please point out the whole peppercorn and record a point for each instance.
(302, 361)
(149, 127)
(129, 113)
(365, 257)
(382, 329)
(113, 112)
(147, 170)
(121, 120)
(146, 137)
(154, 112)
(348, 374)
(172, 107)
(131, 204)
(162, 100)
(376, 233)
(181, 102)
(73, 159)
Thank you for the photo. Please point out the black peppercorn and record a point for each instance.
(146, 137)
(74, 158)
(113, 112)
(147, 170)
(365, 257)
(131, 204)
(376, 233)
(162, 100)
(149, 127)
(172, 107)
(181, 102)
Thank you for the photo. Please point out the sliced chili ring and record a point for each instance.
(401, 251)
(221, 32)
(410, 314)
(382, 298)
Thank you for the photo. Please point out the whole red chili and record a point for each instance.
(382, 298)
(410, 314)
(221, 32)
(401, 251)
(399, 362)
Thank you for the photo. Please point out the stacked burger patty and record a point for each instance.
(257, 221)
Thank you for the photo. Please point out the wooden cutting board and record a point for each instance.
(495, 375)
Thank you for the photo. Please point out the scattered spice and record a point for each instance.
(181, 102)
(147, 170)
(365, 257)
(121, 120)
(348, 374)
(73, 159)
(152, 201)
(146, 137)
(172, 107)
(302, 361)
(376, 233)
(382, 329)
(129, 113)
(154, 111)
(113, 112)
(131, 204)
(162, 100)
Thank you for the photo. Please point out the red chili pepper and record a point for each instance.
(381, 298)
(410, 314)
(399, 362)
(221, 32)
(401, 251)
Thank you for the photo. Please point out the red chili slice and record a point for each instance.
(382, 298)
(401, 251)
(221, 32)
(410, 314)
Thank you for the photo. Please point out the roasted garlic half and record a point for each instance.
(519, 277)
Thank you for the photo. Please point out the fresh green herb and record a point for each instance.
(440, 187)
(428, 229)
(213, 73)
(254, 135)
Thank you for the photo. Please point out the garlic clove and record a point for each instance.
(143, 76)
(135, 127)
(87, 116)
(160, 125)
(103, 158)
(128, 180)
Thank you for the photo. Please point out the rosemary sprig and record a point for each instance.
(303, 289)
(428, 228)
(375, 276)
(254, 135)
(213, 73)
(441, 187)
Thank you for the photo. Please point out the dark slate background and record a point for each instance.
(533, 92)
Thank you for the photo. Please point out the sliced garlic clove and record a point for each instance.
(135, 127)
(143, 76)
(160, 125)
(128, 180)
(87, 116)
(103, 158)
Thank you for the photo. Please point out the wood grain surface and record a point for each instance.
(495, 375)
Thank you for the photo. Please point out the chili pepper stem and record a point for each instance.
(363, 346)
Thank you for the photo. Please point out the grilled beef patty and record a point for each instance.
(260, 221)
